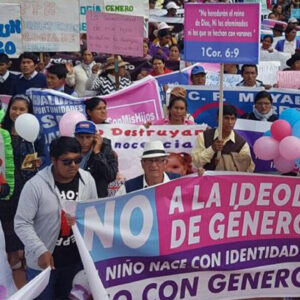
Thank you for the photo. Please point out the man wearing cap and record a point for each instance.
(294, 62)
(160, 46)
(278, 30)
(154, 163)
(7, 79)
(198, 75)
(97, 156)
(171, 7)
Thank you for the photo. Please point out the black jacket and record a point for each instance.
(103, 167)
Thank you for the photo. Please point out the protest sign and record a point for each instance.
(10, 29)
(217, 236)
(128, 142)
(34, 287)
(10, 33)
(88, 5)
(127, 7)
(263, 4)
(136, 104)
(203, 101)
(223, 33)
(115, 34)
(295, 13)
(282, 57)
(229, 80)
(288, 79)
(7, 285)
(4, 101)
(267, 71)
(50, 25)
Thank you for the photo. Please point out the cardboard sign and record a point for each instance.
(267, 71)
(127, 7)
(115, 33)
(288, 79)
(50, 25)
(295, 13)
(10, 29)
(85, 6)
(223, 33)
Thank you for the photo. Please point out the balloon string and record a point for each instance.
(33, 147)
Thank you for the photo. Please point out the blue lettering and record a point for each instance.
(9, 48)
(14, 26)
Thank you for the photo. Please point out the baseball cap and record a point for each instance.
(85, 127)
(292, 20)
(198, 70)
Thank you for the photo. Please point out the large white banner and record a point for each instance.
(34, 287)
(50, 25)
(10, 33)
(128, 142)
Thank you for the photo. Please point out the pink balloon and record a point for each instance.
(283, 165)
(289, 148)
(281, 129)
(266, 148)
(68, 121)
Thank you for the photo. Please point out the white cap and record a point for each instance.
(172, 5)
(292, 20)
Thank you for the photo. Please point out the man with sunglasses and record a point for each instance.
(40, 221)
(154, 163)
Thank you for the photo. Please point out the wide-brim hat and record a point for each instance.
(294, 58)
(162, 26)
(278, 27)
(172, 5)
(154, 149)
(110, 63)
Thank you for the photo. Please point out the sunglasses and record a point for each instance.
(68, 162)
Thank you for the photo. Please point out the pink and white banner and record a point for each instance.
(135, 104)
(223, 235)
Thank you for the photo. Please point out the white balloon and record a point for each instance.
(27, 127)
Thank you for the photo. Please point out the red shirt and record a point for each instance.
(166, 71)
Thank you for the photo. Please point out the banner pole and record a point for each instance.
(117, 75)
(221, 101)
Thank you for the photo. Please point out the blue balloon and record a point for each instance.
(292, 115)
(296, 130)
(268, 133)
(297, 163)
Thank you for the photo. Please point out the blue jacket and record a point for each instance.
(280, 45)
(136, 183)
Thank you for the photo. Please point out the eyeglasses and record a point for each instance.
(263, 103)
(150, 161)
(68, 162)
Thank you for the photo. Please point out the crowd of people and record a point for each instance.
(37, 230)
